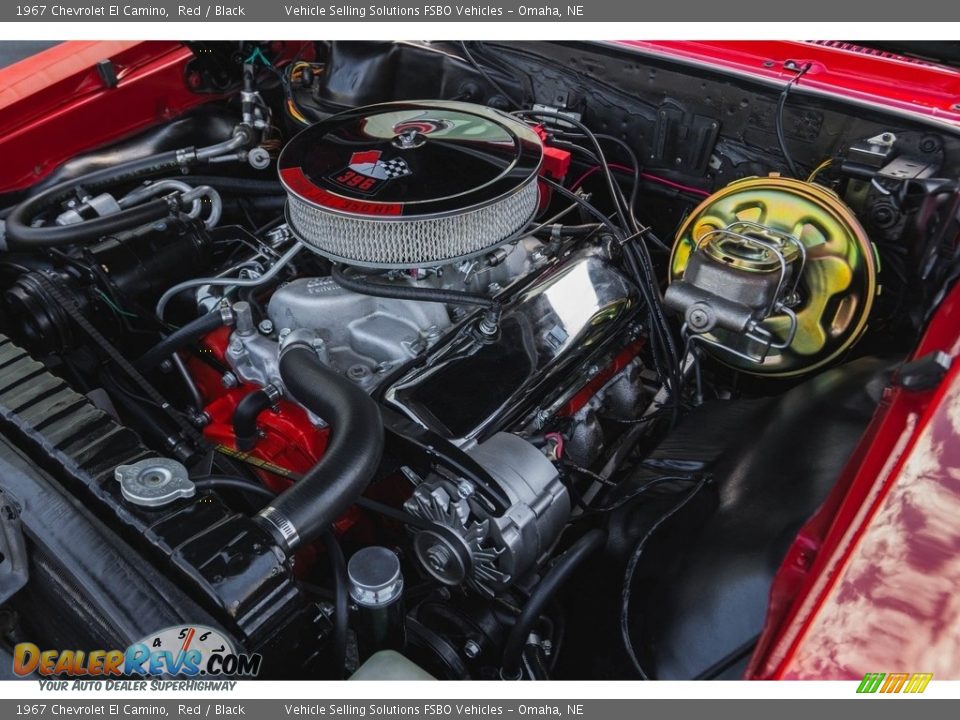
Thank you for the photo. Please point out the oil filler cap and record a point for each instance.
(154, 482)
(375, 577)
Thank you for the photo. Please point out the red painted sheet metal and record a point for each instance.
(55, 105)
(841, 69)
(869, 584)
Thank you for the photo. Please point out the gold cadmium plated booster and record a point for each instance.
(838, 276)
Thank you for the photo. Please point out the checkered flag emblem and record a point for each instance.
(369, 163)
(396, 168)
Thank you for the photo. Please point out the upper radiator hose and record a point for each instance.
(300, 514)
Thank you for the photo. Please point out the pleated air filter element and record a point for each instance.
(411, 184)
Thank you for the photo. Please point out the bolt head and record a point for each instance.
(437, 557)
(699, 319)
(258, 158)
(358, 372)
(266, 327)
(471, 649)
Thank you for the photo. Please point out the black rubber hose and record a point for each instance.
(181, 338)
(22, 236)
(268, 204)
(225, 482)
(338, 563)
(562, 569)
(25, 238)
(245, 418)
(405, 292)
(572, 230)
(341, 600)
(302, 512)
(234, 185)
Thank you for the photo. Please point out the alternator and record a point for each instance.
(773, 275)
(471, 546)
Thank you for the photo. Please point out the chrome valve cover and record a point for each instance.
(565, 318)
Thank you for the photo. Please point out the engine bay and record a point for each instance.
(462, 360)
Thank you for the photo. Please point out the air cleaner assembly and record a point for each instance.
(411, 184)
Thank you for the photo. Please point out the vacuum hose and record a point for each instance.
(304, 511)
(562, 569)
(181, 338)
(245, 418)
(21, 234)
(359, 284)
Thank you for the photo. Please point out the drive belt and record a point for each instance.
(69, 307)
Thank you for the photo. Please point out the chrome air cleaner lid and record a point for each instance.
(409, 184)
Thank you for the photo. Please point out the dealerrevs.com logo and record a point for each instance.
(179, 651)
